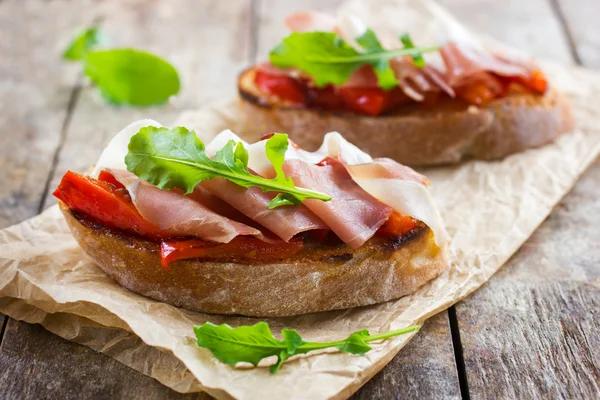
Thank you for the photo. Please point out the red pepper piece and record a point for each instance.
(537, 82)
(477, 93)
(325, 98)
(241, 248)
(370, 101)
(108, 177)
(105, 203)
(397, 225)
(284, 87)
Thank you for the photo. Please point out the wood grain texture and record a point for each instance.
(533, 331)
(36, 364)
(581, 19)
(34, 93)
(424, 369)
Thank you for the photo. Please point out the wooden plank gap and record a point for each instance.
(254, 29)
(61, 141)
(560, 16)
(458, 354)
(4, 322)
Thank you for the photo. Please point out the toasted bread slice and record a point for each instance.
(319, 278)
(446, 133)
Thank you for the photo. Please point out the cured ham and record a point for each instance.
(352, 214)
(180, 215)
(391, 183)
(464, 62)
(364, 191)
(285, 222)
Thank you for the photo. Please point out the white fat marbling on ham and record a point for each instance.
(285, 222)
(113, 156)
(180, 215)
(353, 214)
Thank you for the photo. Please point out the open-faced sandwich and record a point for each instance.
(417, 105)
(263, 229)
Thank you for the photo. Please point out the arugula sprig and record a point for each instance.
(124, 76)
(253, 343)
(176, 158)
(328, 59)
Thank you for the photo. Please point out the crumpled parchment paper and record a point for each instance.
(490, 209)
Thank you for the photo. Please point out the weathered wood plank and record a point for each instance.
(531, 332)
(36, 364)
(424, 369)
(35, 91)
(581, 19)
(34, 100)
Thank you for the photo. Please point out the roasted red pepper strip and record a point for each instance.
(397, 225)
(537, 82)
(108, 177)
(282, 86)
(241, 248)
(105, 203)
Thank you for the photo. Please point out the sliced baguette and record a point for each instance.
(316, 279)
(415, 135)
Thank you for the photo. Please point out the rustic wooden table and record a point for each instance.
(531, 332)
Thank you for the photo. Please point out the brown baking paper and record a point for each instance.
(490, 209)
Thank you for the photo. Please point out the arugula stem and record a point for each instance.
(370, 338)
(373, 56)
(268, 185)
(397, 332)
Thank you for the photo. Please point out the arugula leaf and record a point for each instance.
(330, 60)
(124, 76)
(385, 75)
(253, 343)
(322, 55)
(408, 44)
(176, 158)
(129, 76)
(82, 44)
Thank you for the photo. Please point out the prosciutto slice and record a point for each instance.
(352, 213)
(180, 215)
(464, 62)
(285, 222)
(393, 184)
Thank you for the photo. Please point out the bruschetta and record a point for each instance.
(464, 102)
(263, 229)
